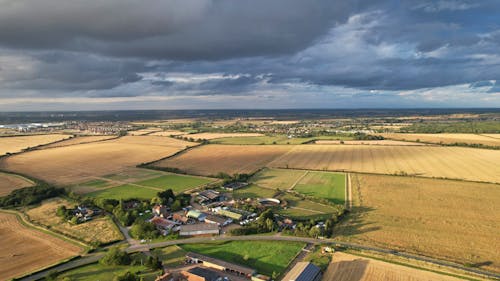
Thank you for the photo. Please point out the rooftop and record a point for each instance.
(199, 226)
(232, 266)
(302, 271)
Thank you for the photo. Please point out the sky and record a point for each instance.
(231, 54)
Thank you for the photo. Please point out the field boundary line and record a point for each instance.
(298, 180)
(348, 189)
(146, 164)
(42, 147)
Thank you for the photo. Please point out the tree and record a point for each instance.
(143, 230)
(127, 276)
(115, 256)
(154, 263)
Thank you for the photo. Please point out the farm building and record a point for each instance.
(164, 225)
(199, 229)
(220, 221)
(195, 214)
(232, 186)
(200, 274)
(180, 217)
(160, 210)
(220, 264)
(209, 196)
(303, 271)
(230, 214)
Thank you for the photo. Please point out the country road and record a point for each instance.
(147, 247)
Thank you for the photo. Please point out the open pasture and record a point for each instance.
(25, 249)
(10, 182)
(427, 161)
(451, 220)
(84, 162)
(327, 185)
(300, 209)
(346, 267)
(78, 140)
(447, 138)
(18, 144)
(100, 230)
(212, 159)
(264, 256)
(282, 179)
(253, 191)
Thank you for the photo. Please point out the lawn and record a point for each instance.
(126, 191)
(264, 256)
(253, 191)
(171, 256)
(178, 183)
(326, 185)
(277, 178)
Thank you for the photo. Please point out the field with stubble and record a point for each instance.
(100, 230)
(211, 136)
(10, 182)
(24, 249)
(84, 162)
(489, 140)
(17, 144)
(78, 140)
(346, 267)
(426, 161)
(451, 220)
(211, 159)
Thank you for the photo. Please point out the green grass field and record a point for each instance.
(326, 185)
(96, 183)
(126, 191)
(298, 208)
(253, 191)
(277, 178)
(178, 183)
(264, 256)
(171, 256)
(278, 139)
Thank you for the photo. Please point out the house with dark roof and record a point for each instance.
(201, 274)
(303, 271)
(220, 264)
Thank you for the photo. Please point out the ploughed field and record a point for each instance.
(212, 159)
(17, 144)
(427, 161)
(486, 139)
(452, 220)
(10, 182)
(23, 249)
(83, 162)
(346, 267)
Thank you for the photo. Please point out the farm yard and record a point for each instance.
(427, 161)
(18, 144)
(452, 220)
(212, 159)
(264, 256)
(78, 140)
(101, 230)
(83, 162)
(10, 182)
(488, 139)
(346, 267)
(38, 249)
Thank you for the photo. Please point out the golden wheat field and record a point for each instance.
(488, 140)
(143, 132)
(101, 230)
(211, 136)
(17, 144)
(211, 159)
(24, 249)
(78, 140)
(346, 267)
(168, 133)
(10, 182)
(367, 142)
(83, 162)
(428, 161)
(452, 220)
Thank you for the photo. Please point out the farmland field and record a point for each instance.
(212, 159)
(83, 162)
(448, 138)
(178, 183)
(368, 142)
(168, 133)
(330, 186)
(446, 219)
(210, 136)
(101, 230)
(143, 132)
(264, 256)
(346, 267)
(10, 182)
(278, 178)
(17, 144)
(78, 140)
(38, 249)
(126, 191)
(428, 161)
(300, 209)
(277, 139)
(253, 191)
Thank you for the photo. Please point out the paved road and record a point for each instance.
(64, 267)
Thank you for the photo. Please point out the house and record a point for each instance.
(220, 264)
(199, 229)
(303, 271)
(201, 274)
(232, 186)
(160, 210)
(210, 196)
(164, 225)
(195, 214)
(220, 221)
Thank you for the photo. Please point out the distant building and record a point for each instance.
(199, 229)
(195, 214)
(303, 271)
(220, 264)
(234, 185)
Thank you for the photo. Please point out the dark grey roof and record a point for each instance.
(302, 271)
(209, 275)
